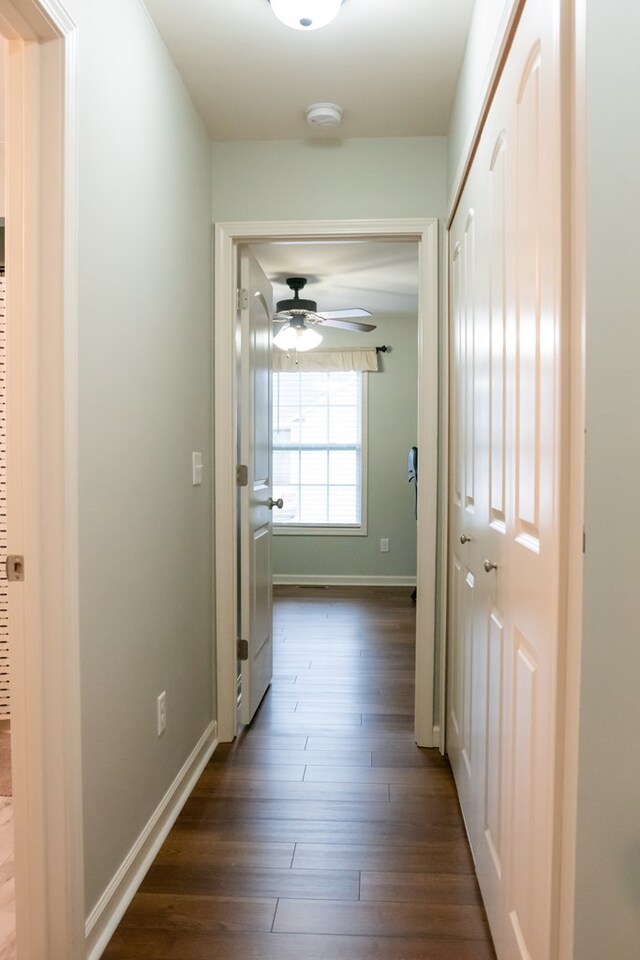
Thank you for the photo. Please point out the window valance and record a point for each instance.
(357, 359)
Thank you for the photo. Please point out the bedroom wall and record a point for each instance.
(392, 425)
(320, 179)
(145, 405)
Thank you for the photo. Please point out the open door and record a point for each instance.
(255, 503)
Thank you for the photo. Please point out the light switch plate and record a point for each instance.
(197, 468)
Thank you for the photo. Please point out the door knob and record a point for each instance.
(464, 539)
(279, 503)
(489, 565)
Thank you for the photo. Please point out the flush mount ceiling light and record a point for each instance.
(296, 335)
(305, 14)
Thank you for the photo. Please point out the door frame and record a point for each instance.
(42, 476)
(228, 237)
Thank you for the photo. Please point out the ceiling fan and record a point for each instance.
(296, 313)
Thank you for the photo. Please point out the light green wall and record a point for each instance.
(329, 179)
(608, 849)
(345, 179)
(392, 425)
(145, 402)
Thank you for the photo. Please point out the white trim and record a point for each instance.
(574, 44)
(43, 521)
(429, 444)
(110, 908)
(228, 236)
(300, 530)
(349, 580)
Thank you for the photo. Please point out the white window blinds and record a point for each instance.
(318, 448)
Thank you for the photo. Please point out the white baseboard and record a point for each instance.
(110, 908)
(327, 580)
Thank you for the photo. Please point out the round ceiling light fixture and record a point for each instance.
(324, 115)
(305, 14)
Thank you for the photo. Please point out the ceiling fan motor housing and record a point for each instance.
(296, 284)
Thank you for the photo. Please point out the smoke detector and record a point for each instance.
(322, 115)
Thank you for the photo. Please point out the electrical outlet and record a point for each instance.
(384, 545)
(162, 712)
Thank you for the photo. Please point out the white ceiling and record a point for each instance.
(391, 64)
(381, 277)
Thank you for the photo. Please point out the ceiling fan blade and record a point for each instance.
(348, 325)
(339, 314)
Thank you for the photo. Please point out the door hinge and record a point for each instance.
(243, 649)
(15, 568)
(242, 298)
(242, 475)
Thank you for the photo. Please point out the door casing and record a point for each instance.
(429, 731)
(42, 476)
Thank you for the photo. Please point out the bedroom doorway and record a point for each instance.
(229, 239)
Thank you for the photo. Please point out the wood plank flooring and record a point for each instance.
(322, 832)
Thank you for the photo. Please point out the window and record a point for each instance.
(318, 452)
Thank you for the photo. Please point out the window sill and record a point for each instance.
(304, 530)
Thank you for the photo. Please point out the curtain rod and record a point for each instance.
(382, 349)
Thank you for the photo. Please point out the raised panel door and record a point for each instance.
(532, 568)
(506, 434)
(255, 607)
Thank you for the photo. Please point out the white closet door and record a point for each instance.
(461, 581)
(467, 701)
(504, 620)
(534, 463)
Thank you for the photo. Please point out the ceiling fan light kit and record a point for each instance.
(297, 336)
(305, 14)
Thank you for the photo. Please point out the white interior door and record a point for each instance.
(466, 741)
(255, 580)
(506, 429)
(533, 463)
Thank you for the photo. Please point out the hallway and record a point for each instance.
(322, 833)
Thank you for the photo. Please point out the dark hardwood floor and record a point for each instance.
(323, 832)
